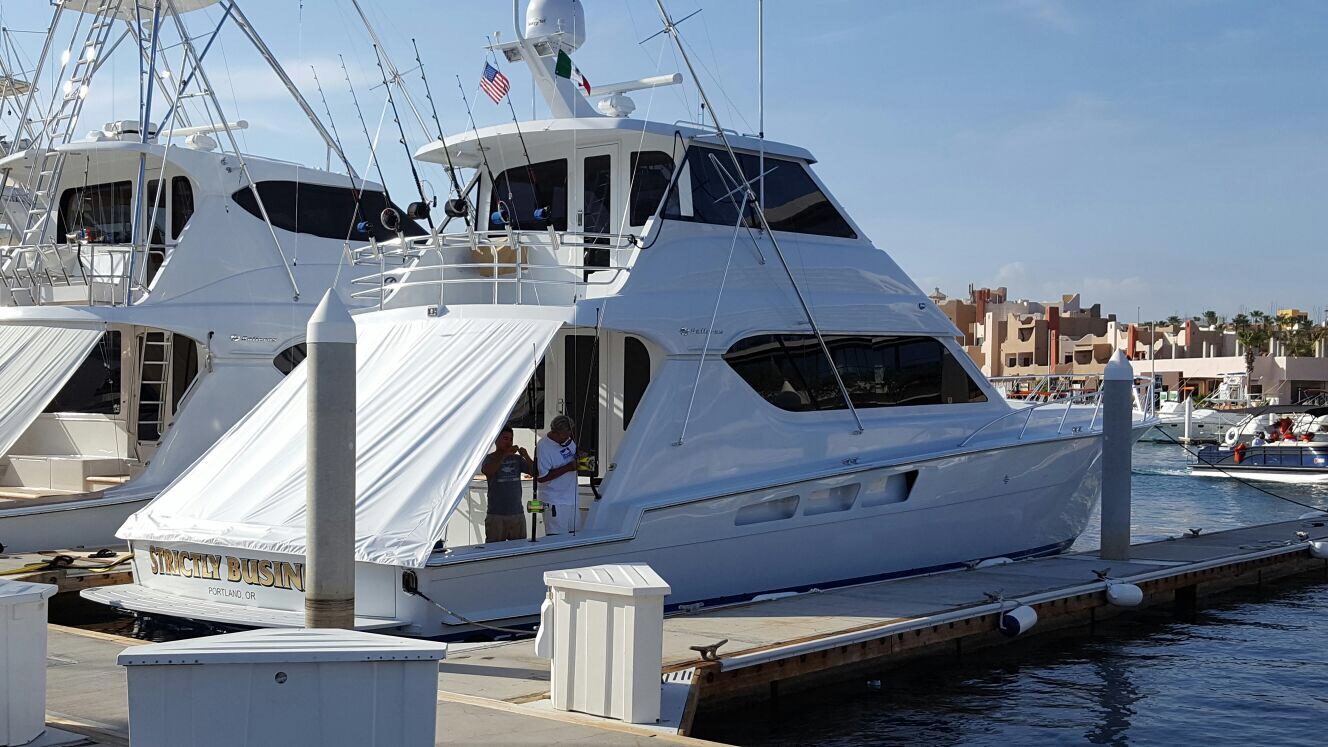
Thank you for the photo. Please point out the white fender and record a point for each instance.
(1319, 549)
(1124, 595)
(991, 562)
(1018, 621)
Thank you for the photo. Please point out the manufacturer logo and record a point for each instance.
(686, 331)
(254, 338)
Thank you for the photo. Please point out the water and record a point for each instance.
(1250, 669)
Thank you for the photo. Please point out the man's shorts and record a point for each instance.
(502, 528)
(558, 519)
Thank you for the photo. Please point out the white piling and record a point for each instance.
(1188, 436)
(1117, 441)
(329, 600)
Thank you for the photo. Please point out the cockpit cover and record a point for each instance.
(35, 362)
(432, 394)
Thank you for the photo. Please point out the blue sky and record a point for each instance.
(1171, 155)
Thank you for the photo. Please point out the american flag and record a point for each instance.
(494, 83)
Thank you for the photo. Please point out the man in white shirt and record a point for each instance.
(555, 459)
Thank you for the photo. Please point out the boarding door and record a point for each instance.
(596, 204)
(625, 369)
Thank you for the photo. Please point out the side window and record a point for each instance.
(288, 359)
(182, 205)
(791, 372)
(320, 210)
(636, 376)
(530, 197)
(793, 202)
(529, 409)
(95, 385)
(652, 170)
(97, 213)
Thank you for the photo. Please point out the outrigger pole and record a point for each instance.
(751, 198)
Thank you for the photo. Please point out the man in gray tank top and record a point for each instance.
(502, 470)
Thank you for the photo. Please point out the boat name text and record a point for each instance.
(252, 571)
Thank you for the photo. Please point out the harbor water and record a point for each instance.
(1247, 668)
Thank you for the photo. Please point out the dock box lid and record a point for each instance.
(627, 579)
(24, 592)
(284, 646)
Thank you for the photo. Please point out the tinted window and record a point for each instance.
(791, 371)
(288, 359)
(182, 204)
(530, 197)
(528, 412)
(95, 386)
(793, 202)
(100, 213)
(636, 376)
(651, 173)
(319, 210)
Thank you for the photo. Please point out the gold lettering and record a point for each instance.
(265, 573)
(215, 561)
(152, 557)
(233, 569)
(185, 570)
(249, 568)
(297, 579)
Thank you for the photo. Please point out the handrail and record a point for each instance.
(516, 272)
(1027, 412)
(27, 268)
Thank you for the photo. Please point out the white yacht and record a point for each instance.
(1211, 418)
(759, 411)
(161, 280)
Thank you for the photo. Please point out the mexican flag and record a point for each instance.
(565, 69)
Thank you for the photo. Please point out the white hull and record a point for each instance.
(1020, 500)
(1302, 477)
(70, 525)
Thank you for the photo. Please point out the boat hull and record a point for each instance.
(67, 525)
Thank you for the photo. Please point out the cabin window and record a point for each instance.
(323, 211)
(793, 202)
(791, 372)
(97, 213)
(581, 389)
(530, 197)
(528, 412)
(184, 367)
(288, 359)
(652, 171)
(182, 205)
(636, 376)
(95, 386)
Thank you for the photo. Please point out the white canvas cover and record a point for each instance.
(35, 362)
(431, 396)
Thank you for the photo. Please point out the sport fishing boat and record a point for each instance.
(762, 399)
(1210, 418)
(161, 280)
(1079, 391)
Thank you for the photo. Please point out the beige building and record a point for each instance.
(1027, 338)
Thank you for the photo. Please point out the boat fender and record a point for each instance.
(1018, 621)
(1319, 549)
(1238, 453)
(1233, 434)
(544, 633)
(1124, 595)
(992, 562)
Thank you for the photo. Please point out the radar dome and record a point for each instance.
(548, 17)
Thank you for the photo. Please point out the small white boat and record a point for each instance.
(1285, 462)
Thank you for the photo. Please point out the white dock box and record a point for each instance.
(22, 661)
(608, 640)
(295, 688)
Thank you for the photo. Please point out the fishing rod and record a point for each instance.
(484, 157)
(433, 109)
(364, 127)
(421, 209)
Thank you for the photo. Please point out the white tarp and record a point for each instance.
(35, 362)
(431, 396)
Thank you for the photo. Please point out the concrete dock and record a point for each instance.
(497, 693)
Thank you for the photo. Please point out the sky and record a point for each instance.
(1157, 157)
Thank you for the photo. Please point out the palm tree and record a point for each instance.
(1299, 338)
(1174, 321)
(1211, 319)
(1253, 332)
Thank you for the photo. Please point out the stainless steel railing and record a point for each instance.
(32, 272)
